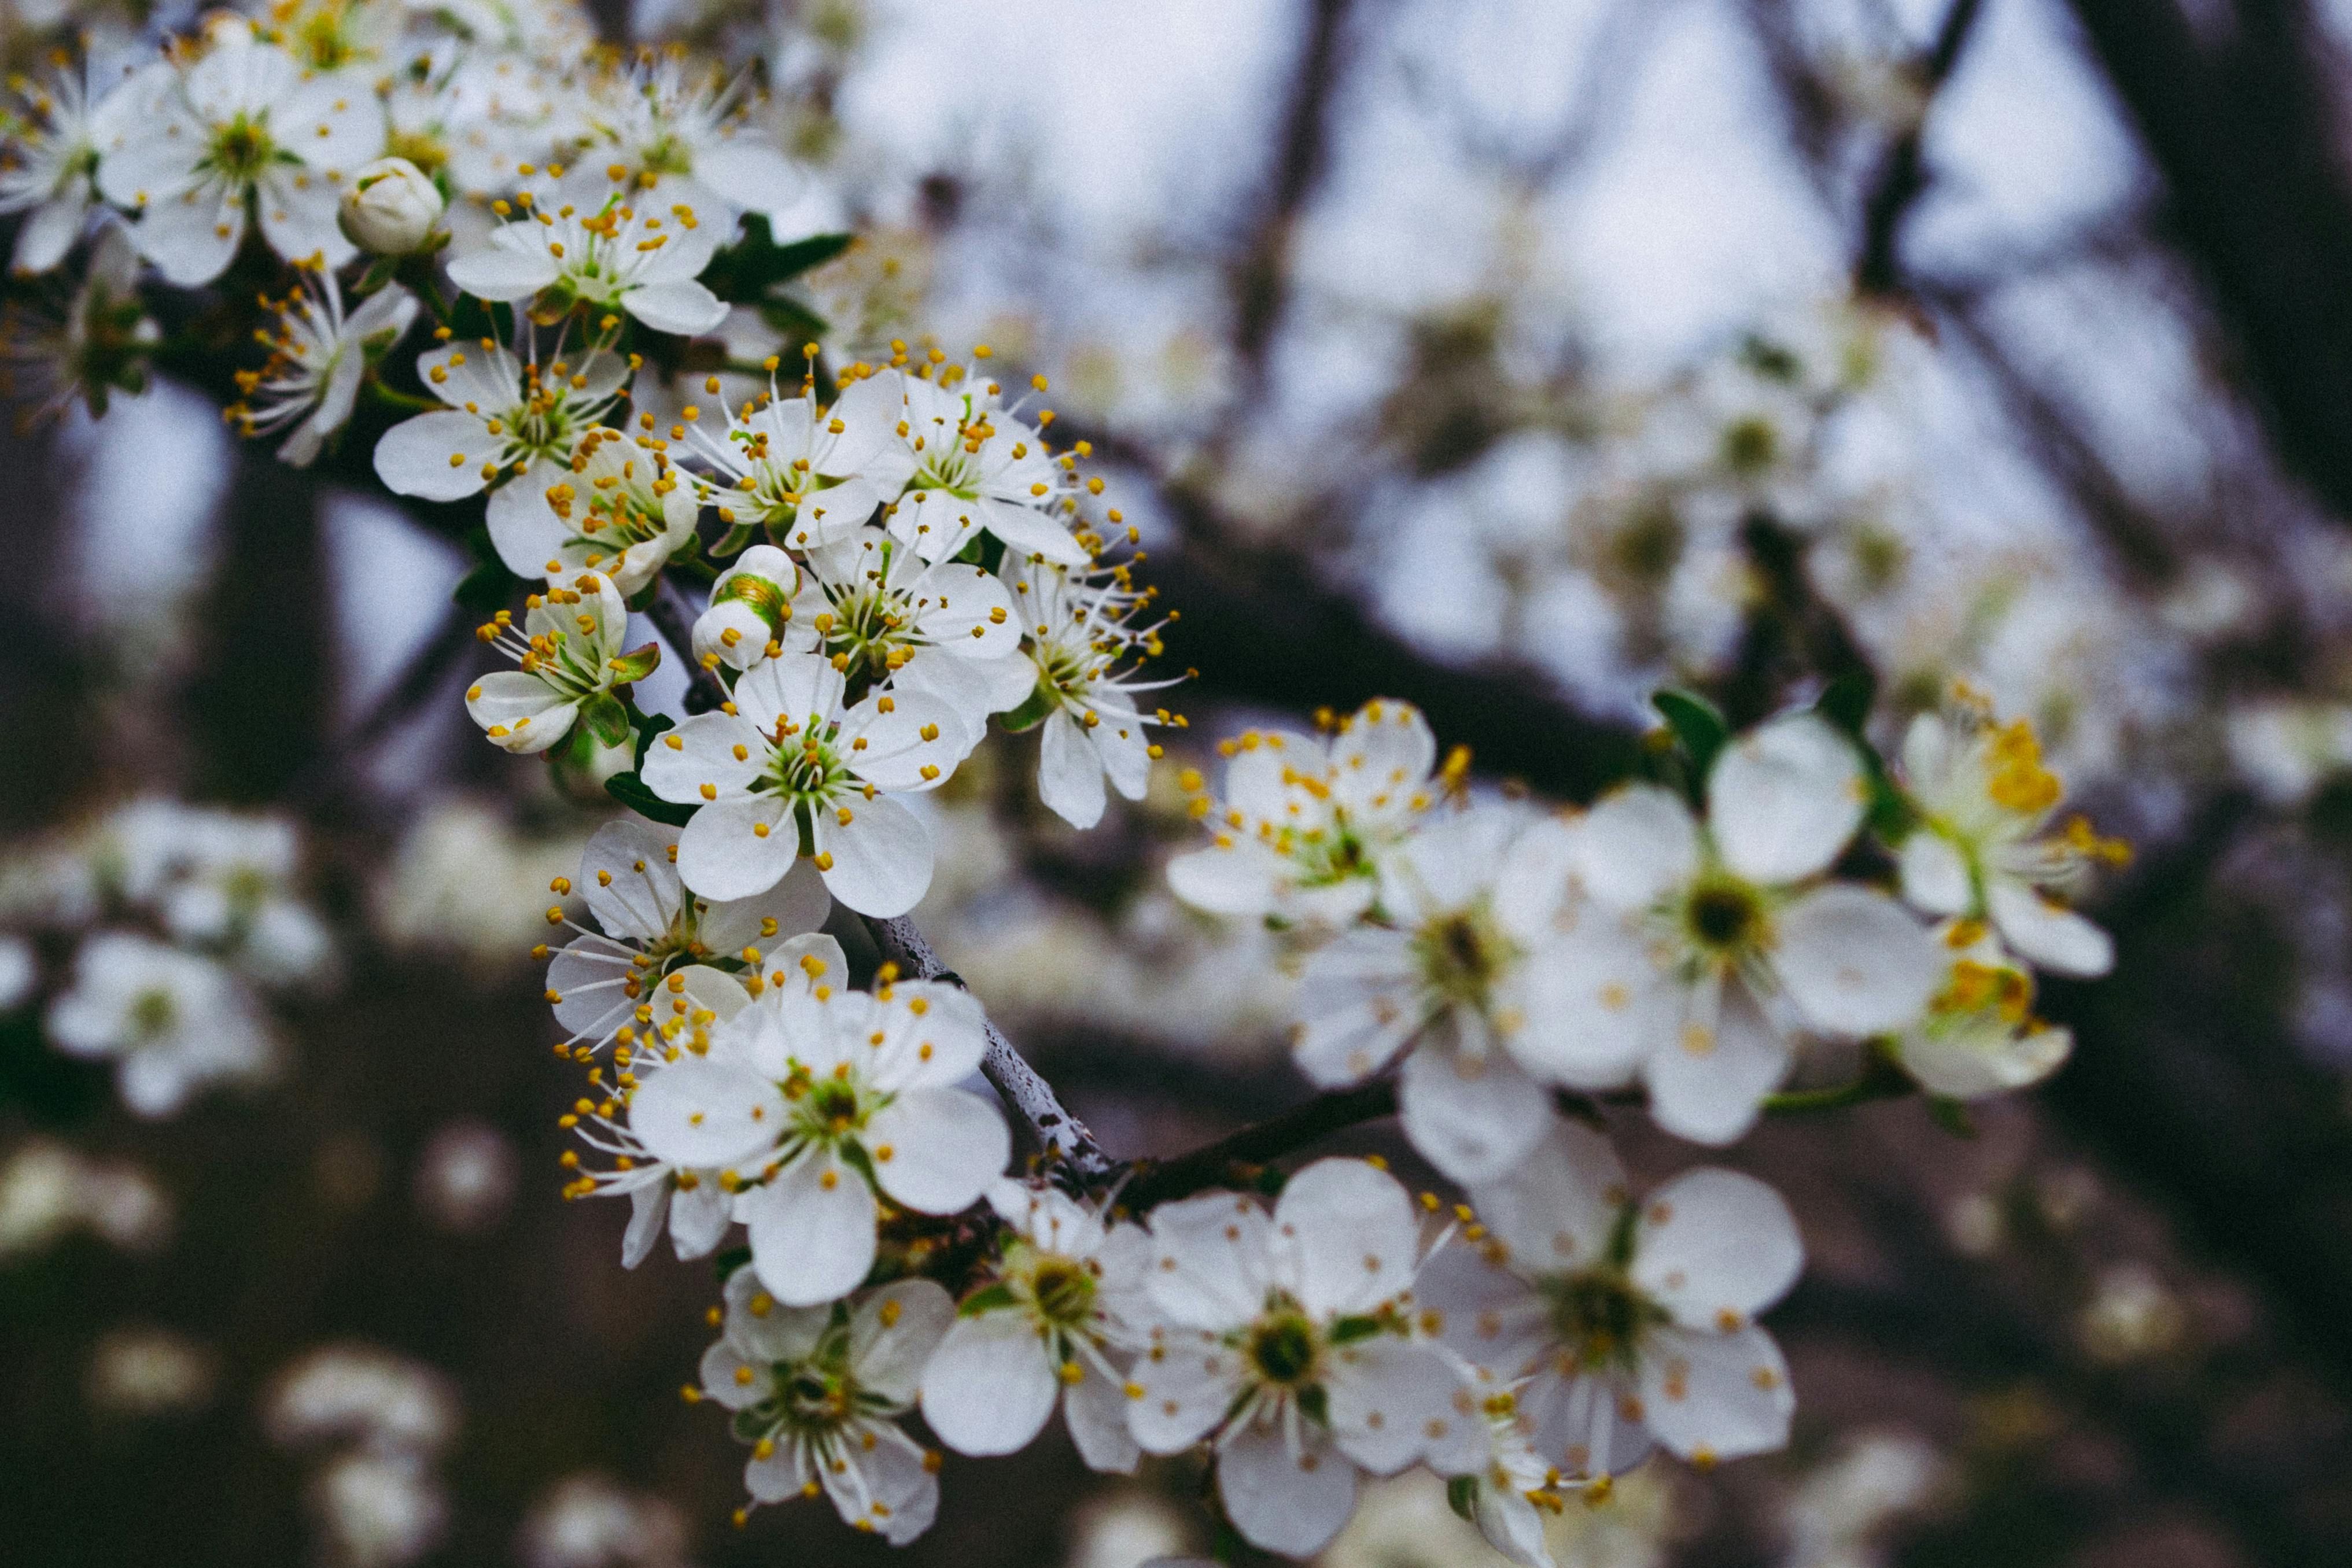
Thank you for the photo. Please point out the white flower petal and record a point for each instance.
(894, 1332)
(1350, 1235)
(1934, 874)
(695, 1112)
(1855, 962)
(1636, 845)
(723, 855)
(1472, 1118)
(1395, 1403)
(991, 1386)
(1282, 1502)
(413, 456)
(1707, 1083)
(1724, 1395)
(2046, 934)
(1069, 772)
(1208, 1267)
(812, 1231)
(1714, 1248)
(1555, 1209)
(1783, 799)
(945, 1146)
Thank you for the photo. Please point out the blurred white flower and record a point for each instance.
(378, 1510)
(466, 1177)
(318, 359)
(144, 1373)
(361, 1396)
(48, 1190)
(172, 1021)
(588, 1521)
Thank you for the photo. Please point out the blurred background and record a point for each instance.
(1511, 358)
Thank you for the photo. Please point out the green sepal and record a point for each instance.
(993, 1299)
(607, 717)
(378, 274)
(1035, 709)
(636, 665)
(1462, 1497)
(630, 790)
(748, 1426)
(1347, 1331)
(1315, 1404)
(1952, 1115)
(1698, 725)
(797, 322)
(734, 539)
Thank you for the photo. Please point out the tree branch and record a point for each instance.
(1213, 1163)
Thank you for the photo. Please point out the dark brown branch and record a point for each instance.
(1230, 1158)
(1902, 175)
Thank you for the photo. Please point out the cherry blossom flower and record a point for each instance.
(806, 474)
(622, 510)
(792, 764)
(1709, 948)
(650, 927)
(1978, 1035)
(975, 468)
(316, 361)
(50, 171)
(509, 419)
(1285, 1344)
(1306, 823)
(1986, 800)
(1469, 907)
(244, 130)
(946, 630)
(571, 659)
(172, 1020)
(668, 121)
(1055, 1325)
(818, 1392)
(816, 1102)
(599, 243)
(1614, 1325)
(1079, 646)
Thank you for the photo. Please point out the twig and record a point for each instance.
(1208, 1165)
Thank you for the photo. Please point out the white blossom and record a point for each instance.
(818, 1392)
(1086, 661)
(816, 1103)
(793, 762)
(1469, 907)
(605, 245)
(976, 467)
(318, 358)
(50, 170)
(1612, 1326)
(571, 659)
(172, 1021)
(622, 510)
(879, 612)
(1978, 1035)
(669, 121)
(1287, 1344)
(1709, 948)
(1986, 799)
(1056, 1325)
(807, 474)
(244, 130)
(1306, 823)
(509, 418)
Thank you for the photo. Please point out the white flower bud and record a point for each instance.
(391, 208)
(748, 606)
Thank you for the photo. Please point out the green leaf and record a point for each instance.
(1846, 702)
(630, 790)
(1462, 1497)
(797, 322)
(1952, 1115)
(1698, 725)
(653, 725)
(488, 589)
(756, 263)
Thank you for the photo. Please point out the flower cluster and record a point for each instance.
(168, 924)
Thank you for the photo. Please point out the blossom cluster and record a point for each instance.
(493, 265)
(152, 938)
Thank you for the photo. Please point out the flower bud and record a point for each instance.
(391, 208)
(748, 606)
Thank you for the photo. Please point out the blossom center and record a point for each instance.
(153, 1012)
(241, 147)
(1283, 1349)
(1600, 1316)
(1723, 916)
(1461, 954)
(1064, 1291)
(1751, 444)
